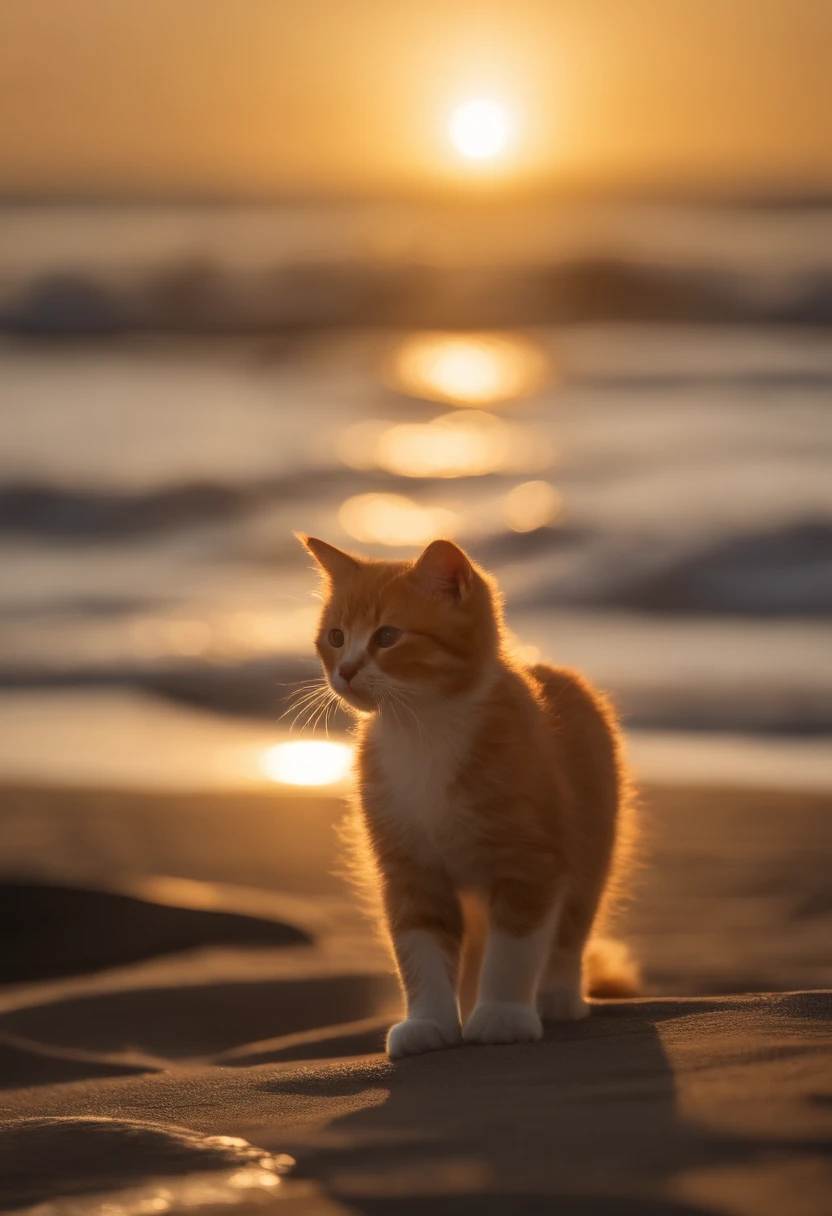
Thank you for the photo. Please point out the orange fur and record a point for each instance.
(482, 784)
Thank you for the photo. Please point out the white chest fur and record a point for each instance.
(418, 765)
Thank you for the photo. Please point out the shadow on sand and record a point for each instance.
(585, 1123)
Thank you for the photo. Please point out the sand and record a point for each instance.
(711, 1094)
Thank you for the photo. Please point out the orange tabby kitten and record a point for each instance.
(487, 790)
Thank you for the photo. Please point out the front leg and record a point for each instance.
(425, 928)
(520, 933)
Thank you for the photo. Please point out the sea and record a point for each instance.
(624, 412)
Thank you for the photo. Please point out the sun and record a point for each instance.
(479, 128)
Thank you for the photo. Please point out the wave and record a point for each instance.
(262, 690)
(777, 580)
(205, 298)
(50, 511)
(84, 515)
(783, 571)
(779, 571)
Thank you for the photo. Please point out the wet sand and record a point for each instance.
(713, 1093)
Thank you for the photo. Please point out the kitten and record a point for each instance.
(488, 792)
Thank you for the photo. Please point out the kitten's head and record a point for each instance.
(407, 630)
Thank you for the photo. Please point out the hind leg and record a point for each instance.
(561, 997)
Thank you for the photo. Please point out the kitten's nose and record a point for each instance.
(347, 670)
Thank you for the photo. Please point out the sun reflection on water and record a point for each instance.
(468, 369)
(465, 444)
(226, 1174)
(393, 519)
(307, 762)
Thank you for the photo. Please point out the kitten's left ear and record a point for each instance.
(335, 563)
(444, 567)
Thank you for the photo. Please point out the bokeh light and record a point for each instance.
(479, 128)
(307, 762)
(465, 444)
(393, 519)
(531, 505)
(474, 369)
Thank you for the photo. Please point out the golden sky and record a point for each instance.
(349, 96)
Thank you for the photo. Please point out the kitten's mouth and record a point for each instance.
(356, 699)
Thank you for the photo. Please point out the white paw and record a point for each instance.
(416, 1035)
(503, 1022)
(563, 1004)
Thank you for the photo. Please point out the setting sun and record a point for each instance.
(479, 129)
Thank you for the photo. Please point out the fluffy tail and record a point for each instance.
(610, 969)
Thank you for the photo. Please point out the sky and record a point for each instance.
(256, 98)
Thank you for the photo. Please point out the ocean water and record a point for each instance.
(673, 484)
(149, 489)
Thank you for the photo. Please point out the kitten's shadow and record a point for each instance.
(585, 1122)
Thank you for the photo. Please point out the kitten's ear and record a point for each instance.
(334, 562)
(444, 568)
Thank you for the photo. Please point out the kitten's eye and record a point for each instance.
(336, 638)
(388, 635)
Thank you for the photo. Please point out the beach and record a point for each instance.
(709, 1094)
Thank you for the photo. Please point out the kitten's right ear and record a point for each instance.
(334, 562)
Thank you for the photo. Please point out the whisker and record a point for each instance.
(307, 710)
(322, 709)
(326, 718)
(309, 686)
(305, 696)
(299, 707)
(387, 698)
(333, 708)
(401, 697)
